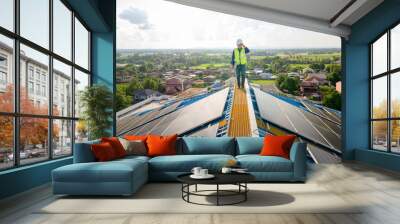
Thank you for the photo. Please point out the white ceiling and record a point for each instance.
(320, 9)
(314, 15)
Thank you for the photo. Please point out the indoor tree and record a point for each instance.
(97, 104)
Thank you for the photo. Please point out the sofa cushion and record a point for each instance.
(257, 163)
(134, 147)
(277, 145)
(249, 145)
(208, 145)
(103, 152)
(136, 137)
(185, 163)
(116, 145)
(83, 152)
(112, 171)
(161, 145)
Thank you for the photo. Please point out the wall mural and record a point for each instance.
(219, 75)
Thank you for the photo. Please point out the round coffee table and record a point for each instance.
(238, 179)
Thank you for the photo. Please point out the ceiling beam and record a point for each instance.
(346, 12)
(268, 15)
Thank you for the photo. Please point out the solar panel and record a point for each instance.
(320, 155)
(321, 112)
(186, 118)
(270, 110)
(297, 120)
(199, 113)
(331, 137)
(210, 131)
(304, 126)
(134, 121)
(334, 115)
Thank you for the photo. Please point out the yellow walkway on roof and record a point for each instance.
(239, 124)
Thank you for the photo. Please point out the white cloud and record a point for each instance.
(177, 26)
(135, 16)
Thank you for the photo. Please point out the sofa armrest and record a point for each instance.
(83, 152)
(298, 157)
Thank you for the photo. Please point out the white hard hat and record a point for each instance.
(239, 41)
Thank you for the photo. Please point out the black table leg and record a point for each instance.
(217, 194)
(245, 193)
(188, 190)
(220, 193)
(182, 190)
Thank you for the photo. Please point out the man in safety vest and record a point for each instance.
(239, 59)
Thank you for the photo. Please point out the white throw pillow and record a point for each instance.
(137, 147)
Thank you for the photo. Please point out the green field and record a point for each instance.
(258, 57)
(263, 82)
(292, 67)
(207, 66)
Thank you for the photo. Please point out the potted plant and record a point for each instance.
(97, 104)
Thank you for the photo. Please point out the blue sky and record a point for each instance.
(160, 24)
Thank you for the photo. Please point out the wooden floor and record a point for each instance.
(378, 189)
(239, 124)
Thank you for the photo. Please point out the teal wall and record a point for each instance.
(99, 15)
(24, 178)
(355, 86)
(103, 61)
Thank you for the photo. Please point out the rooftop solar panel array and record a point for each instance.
(302, 122)
(322, 112)
(322, 156)
(130, 122)
(186, 118)
(210, 131)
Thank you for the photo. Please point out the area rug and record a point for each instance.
(166, 198)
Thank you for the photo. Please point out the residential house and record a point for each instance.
(209, 78)
(143, 94)
(175, 85)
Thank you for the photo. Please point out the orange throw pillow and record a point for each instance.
(277, 145)
(136, 137)
(161, 145)
(103, 152)
(116, 145)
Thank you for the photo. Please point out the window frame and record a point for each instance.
(388, 74)
(16, 114)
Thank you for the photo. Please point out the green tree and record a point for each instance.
(326, 89)
(333, 68)
(334, 77)
(146, 67)
(123, 100)
(330, 97)
(97, 102)
(317, 66)
(333, 100)
(267, 67)
(134, 85)
(279, 80)
(151, 83)
(289, 84)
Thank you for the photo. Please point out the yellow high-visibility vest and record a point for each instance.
(240, 56)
